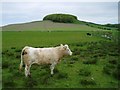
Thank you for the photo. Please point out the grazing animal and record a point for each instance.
(107, 36)
(88, 34)
(52, 56)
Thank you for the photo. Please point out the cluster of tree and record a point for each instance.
(112, 25)
(62, 18)
(105, 27)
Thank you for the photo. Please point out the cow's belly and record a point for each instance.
(44, 61)
(44, 58)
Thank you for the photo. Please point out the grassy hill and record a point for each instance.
(46, 26)
(59, 22)
(55, 26)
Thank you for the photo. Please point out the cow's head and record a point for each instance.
(66, 49)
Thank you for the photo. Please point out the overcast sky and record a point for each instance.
(21, 12)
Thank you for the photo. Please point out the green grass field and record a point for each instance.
(36, 39)
(92, 64)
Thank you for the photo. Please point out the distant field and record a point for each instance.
(50, 26)
(30, 38)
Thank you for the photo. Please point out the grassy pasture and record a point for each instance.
(86, 68)
(36, 39)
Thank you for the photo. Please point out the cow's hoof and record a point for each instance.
(29, 76)
(51, 75)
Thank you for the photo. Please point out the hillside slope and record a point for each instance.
(46, 26)
(54, 26)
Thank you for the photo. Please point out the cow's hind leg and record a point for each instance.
(52, 68)
(27, 70)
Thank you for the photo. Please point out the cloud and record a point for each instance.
(98, 12)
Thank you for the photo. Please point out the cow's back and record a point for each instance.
(41, 55)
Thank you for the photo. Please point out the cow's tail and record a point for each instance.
(21, 63)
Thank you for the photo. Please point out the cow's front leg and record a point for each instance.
(52, 68)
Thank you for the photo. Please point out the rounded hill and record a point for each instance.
(62, 18)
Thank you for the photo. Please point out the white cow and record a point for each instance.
(52, 56)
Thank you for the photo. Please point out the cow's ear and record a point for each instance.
(61, 44)
(65, 46)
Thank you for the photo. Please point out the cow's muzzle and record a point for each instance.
(70, 53)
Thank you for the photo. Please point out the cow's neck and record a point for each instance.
(60, 53)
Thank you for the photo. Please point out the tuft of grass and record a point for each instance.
(18, 56)
(76, 51)
(79, 44)
(112, 68)
(109, 68)
(113, 61)
(13, 47)
(116, 74)
(45, 67)
(62, 75)
(30, 82)
(90, 61)
(85, 72)
(8, 81)
(18, 50)
(56, 70)
(72, 62)
(87, 81)
(75, 58)
(8, 53)
(5, 64)
(44, 80)
(106, 70)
